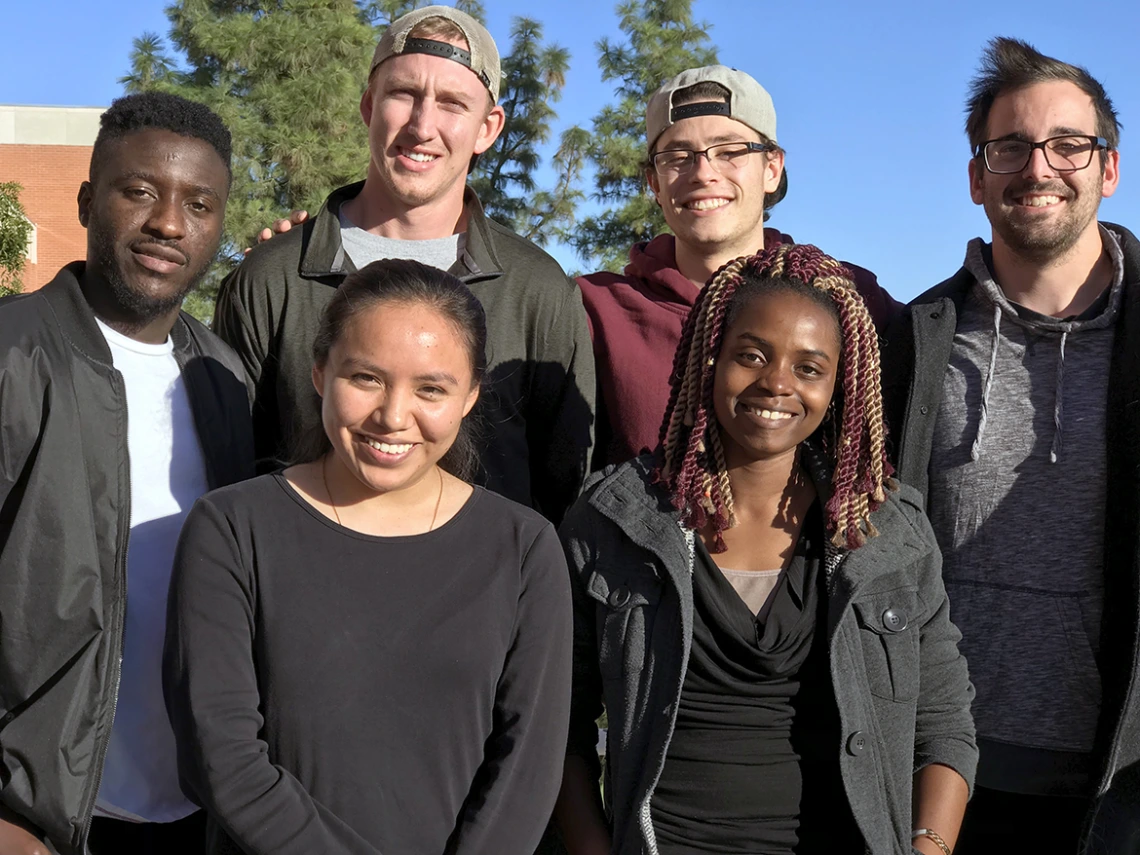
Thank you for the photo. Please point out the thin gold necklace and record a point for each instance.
(336, 513)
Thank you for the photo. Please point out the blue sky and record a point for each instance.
(868, 96)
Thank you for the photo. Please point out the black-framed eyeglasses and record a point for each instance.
(1067, 153)
(723, 157)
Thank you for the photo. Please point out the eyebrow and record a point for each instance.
(717, 140)
(807, 351)
(1055, 131)
(433, 377)
(151, 178)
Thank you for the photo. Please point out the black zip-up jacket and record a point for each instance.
(536, 410)
(915, 359)
(64, 524)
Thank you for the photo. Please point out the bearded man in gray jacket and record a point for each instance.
(1014, 389)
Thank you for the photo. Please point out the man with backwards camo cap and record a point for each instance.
(430, 107)
(715, 169)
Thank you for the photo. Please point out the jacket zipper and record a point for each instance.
(119, 626)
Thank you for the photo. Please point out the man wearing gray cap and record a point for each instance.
(430, 107)
(715, 168)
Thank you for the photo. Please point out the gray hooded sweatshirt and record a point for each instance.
(1017, 502)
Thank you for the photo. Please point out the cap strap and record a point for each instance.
(446, 51)
(701, 108)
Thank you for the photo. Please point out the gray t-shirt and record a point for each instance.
(364, 247)
(1017, 502)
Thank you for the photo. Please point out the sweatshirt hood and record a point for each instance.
(1101, 314)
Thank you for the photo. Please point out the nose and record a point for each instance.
(421, 121)
(703, 170)
(1038, 167)
(776, 379)
(166, 218)
(393, 411)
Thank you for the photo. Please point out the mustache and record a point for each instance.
(169, 246)
(1045, 188)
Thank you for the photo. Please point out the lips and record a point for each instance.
(159, 258)
(767, 414)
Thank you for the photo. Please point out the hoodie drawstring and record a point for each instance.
(1058, 413)
(976, 449)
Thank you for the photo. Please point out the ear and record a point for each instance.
(490, 129)
(1111, 177)
(773, 169)
(472, 397)
(977, 173)
(83, 200)
(319, 380)
(366, 106)
(654, 182)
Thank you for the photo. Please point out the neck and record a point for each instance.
(378, 213)
(1059, 287)
(698, 263)
(757, 484)
(351, 497)
(100, 297)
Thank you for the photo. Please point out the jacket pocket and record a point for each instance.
(888, 629)
(627, 598)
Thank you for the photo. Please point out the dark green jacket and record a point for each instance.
(915, 355)
(903, 695)
(536, 410)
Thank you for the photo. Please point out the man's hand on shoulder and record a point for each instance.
(279, 228)
(15, 841)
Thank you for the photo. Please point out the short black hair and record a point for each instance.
(161, 111)
(1009, 64)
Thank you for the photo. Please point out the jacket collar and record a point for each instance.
(322, 253)
(77, 320)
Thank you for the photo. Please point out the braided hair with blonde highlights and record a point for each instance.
(692, 464)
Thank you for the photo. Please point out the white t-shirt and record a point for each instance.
(168, 473)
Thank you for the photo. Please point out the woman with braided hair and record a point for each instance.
(759, 607)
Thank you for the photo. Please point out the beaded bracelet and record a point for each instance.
(931, 835)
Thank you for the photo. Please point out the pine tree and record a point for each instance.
(661, 40)
(15, 231)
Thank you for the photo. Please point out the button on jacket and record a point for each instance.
(900, 684)
(64, 526)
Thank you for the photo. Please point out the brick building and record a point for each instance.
(48, 151)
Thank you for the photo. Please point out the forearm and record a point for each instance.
(940, 796)
(578, 811)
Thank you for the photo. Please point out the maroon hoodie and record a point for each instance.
(635, 322)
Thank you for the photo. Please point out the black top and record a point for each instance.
(753, 764)
(334, 692)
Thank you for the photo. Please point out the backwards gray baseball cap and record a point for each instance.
(748, 102)
(482, 56)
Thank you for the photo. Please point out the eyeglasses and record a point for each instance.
(725, 157)
(1063, 154)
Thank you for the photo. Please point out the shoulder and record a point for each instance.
(522, 258)
(630, 485)
(238, 504)
(492, 512)
(208, 343)
(953, 288)
(902, 518)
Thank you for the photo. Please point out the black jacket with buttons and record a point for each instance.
(916, 353)
(900, 684)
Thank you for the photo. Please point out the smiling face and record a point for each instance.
(775, 375)
(394, 389)
(710, 212)
(1039, 213)
(153, 213)
(426, 117)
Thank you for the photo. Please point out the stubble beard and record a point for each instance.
(1042, 243)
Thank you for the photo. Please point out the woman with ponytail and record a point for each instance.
(759, 607)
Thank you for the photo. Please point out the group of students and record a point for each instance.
(382, 644)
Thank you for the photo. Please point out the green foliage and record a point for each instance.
(661, 40)
(15, 230)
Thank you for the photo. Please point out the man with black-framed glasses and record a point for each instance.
(1014, 392)
(715, 169)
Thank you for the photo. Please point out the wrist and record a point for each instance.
(929, 842)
